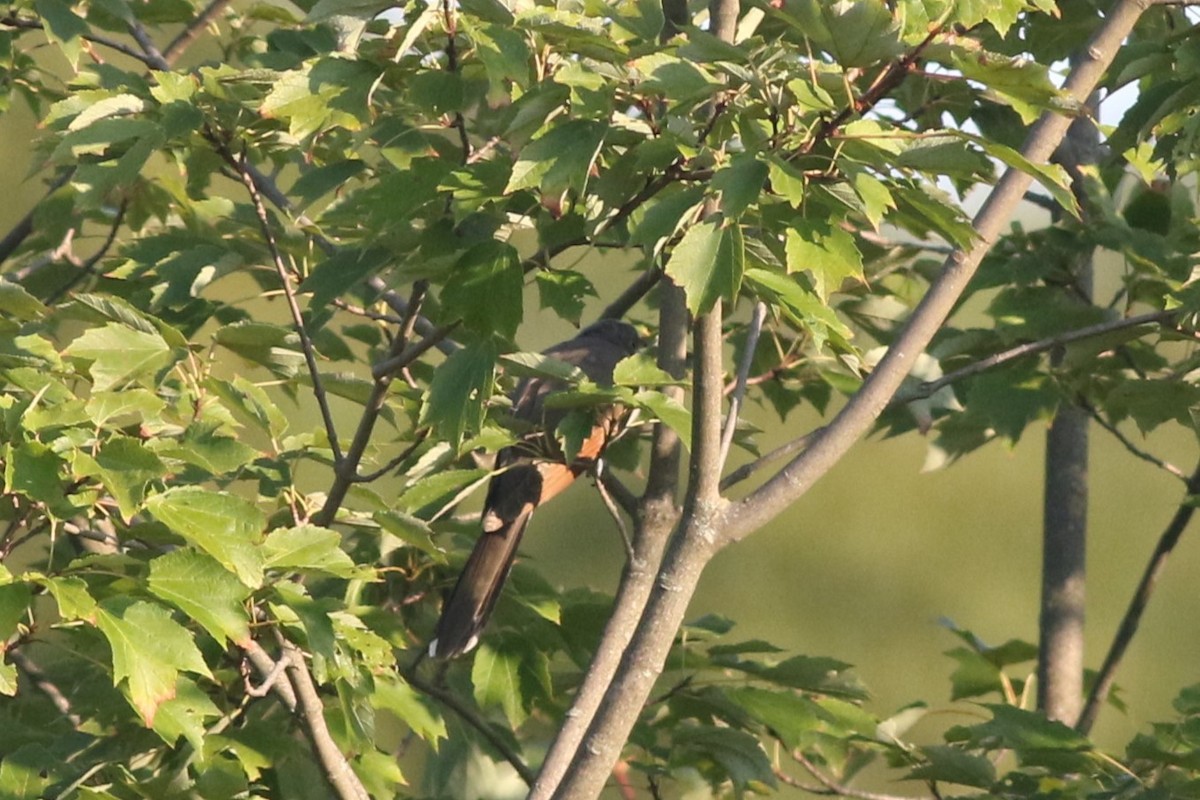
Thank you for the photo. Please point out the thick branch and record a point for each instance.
(857, 416)
(656, 520)
(689, 551)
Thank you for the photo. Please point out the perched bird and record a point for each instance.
(532, 471)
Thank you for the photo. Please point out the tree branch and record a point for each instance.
(1137, 604)
(654, 523)
(468, 715)
(688, 551)
(1138, 452)
(739, 390)
(857, 416)
(345, 470)
(337, 769)
(285, 280)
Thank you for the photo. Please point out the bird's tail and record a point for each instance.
(470, 603)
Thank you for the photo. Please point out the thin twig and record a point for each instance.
(739, 392)
(191, 31)
(346, 469)
(787, 449)
(266, 666)
(23, 23)
(633, 293)
(289, 293)
(393, 364)
(1137, 604)
(613, 511)
(142, 37)
(1138, 452)
(839, 789)
(88, 267)
(929, 388)
(468, 715)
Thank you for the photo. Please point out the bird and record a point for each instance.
(529, 474)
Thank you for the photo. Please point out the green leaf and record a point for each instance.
(440, 488)
(826, 252)
(63, 26)
(185, 714)
(14, 605)
(27, 771)
(205, 446)
(149, 650)
(737, 754)
(251, 403)
(72, 596)
(667, 410)
(954, 765)
(307, 548)
(789, 716)
(564, 290)
(708, 263)
(740, 183)
(642, 370)
(457, 394)
(412, 708)
(657, 222)
(119, 354)
(799, 303)
(36, 471)
(496, 676)
(272, 346)
(125, 467)
(861, 32)
(226, 527)
(560, 159)
(322, 180)
(18, 303)
(486, 289)
(342, 271)
(200, 587)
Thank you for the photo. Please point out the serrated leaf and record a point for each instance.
(200, 587)
(308, 548)
(789, 716)
(72, 596)
(251, 402)
(740, 184)
(564, 290)
(440, 488)
(410, 707)
(496, 676)
(149, 650)
(559, 159)
(185, 714)
(457, 394)
(341, 272)
(36, 471)
(485, 289)
(738, 754)
(226, 527)
(14, 604)
(826, 252)
(125, 467)
(669, 411)
(119, 354)
(954, 765)
(641, 370)
(18, 303)
(708, 263)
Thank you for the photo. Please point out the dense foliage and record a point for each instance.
(260, 327)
